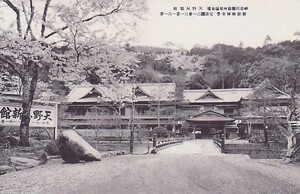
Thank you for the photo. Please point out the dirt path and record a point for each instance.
(165, 172)
(204, 147)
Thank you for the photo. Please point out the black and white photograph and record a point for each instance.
(149, 97)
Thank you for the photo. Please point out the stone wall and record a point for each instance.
(257, 150)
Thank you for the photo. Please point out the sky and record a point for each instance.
(279, 19)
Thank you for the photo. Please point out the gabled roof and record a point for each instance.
(220, 95)
(122, 92)
(267, 90)
(209, 96)
(210, 116)
(140, 92)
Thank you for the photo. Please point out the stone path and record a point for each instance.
(203, 146)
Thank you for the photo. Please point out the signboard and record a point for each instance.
(40, 117)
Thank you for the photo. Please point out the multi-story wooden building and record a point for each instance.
(207, 111)
(213, 110)
(145, 105)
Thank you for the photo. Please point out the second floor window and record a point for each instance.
(216, 109)
(123, 111)
(201, 109)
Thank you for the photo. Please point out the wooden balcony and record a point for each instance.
(104, 117)
(112, 120)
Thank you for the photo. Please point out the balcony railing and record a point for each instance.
(111, 122)
(103, 117)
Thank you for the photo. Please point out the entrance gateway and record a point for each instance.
(209, 123)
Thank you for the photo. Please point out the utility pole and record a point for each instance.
(265, 120)
(131, 121)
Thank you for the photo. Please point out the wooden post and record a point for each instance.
(56, 121)
(222, 143)
(225, 131)
(154, 144)
(154, 141)
(131, 121)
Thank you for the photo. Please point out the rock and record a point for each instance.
(2, 172)
(44, 158)
(74, 148)
(23, 162)
(36, 143)
(53, 157)
(120, 153)
(13, 141)
(154, 151)
(7, 168)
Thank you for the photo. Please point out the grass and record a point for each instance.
(27, 152)
(138, 147)
(37, 148)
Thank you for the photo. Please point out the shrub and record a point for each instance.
(160, 131)
(52, 148)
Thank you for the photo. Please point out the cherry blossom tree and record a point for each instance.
(60, 33)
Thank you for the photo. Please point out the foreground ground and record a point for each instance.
(193, 167)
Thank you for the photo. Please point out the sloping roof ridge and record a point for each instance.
(214, 90)
(207, 93)
(143, 91)
(267, 83)
(232, 89)
(151, 84)
(205, 112)
(138, 84)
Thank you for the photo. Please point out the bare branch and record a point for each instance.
(117, 9)
(17, 11)
(44, 18)
(30, 20)
(12, 65)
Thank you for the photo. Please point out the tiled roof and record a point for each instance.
(209, 116)
(223, 95)
(146, 92)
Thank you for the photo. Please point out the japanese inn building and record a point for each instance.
(205, 112)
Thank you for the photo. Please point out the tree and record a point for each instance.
(40, 27)
(8, 82)
(267, 40)
(197, 82)
(160, 95)
(216, 65)
(283, 73)
(169, 44)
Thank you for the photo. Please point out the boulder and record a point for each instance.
(2, 172)
(23, 163)
(73, 148)
(13, 141)
(7, 168)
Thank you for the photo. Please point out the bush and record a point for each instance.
(52, 148)
(160, 131)
(171, 134)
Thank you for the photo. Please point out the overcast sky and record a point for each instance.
(279, 19)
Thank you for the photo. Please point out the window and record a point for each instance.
(228, 111)
(201, 109)
(216, 109)
(123, 111)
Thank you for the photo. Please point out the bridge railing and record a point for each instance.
(219, 142)
(160, 143)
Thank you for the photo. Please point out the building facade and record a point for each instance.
(142, 105)
(206, 112)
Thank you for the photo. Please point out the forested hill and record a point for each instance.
(221, 66)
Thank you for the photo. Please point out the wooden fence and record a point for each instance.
(219, 142)
(161, 143)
